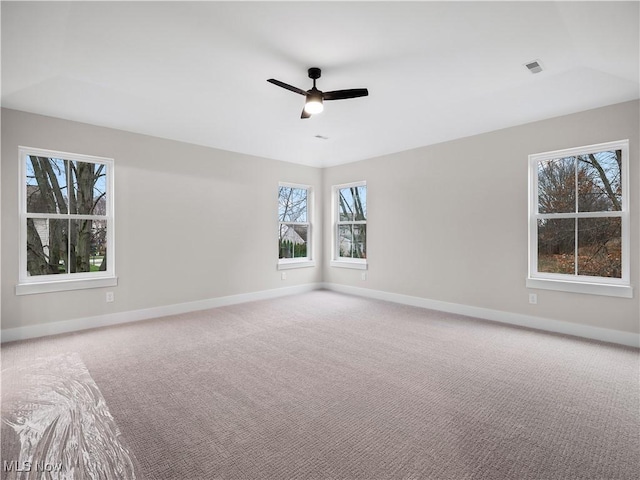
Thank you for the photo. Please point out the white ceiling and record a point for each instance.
(196, 72)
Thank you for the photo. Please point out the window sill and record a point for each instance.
(349, 264)
(296, 264)
(65, 285)
(610, 290)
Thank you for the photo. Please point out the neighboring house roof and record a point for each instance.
(294, 233)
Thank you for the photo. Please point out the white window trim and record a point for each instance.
(336, 260)
(57, 283)
(615, 287)
(356, 263)
(289, 263)
(301, 262)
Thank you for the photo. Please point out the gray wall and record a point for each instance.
(192, 223)
(460, 209)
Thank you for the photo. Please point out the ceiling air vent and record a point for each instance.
(534, 66)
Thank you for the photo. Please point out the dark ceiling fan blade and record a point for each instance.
(343, 94)
(305, 114)
(287, 86)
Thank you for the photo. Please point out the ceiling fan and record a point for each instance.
(316, 97)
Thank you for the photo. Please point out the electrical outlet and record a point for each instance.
(364, 275)
(533, 298)
(283, 275)
(109, 297)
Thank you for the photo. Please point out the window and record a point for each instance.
(294, 227)
(350, 214)
(66, 222)
(579, 220)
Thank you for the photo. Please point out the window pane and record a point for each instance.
(556, 246)
(293, 241)
(292, 204)
(599, 182)
(89, 186)
(88, 242)
(98, 257)
(600, 247)
(557, 185)
(352, 203)
(345, 240)
(46, 246)
(352, 241)
(46, 185)
(359, 241)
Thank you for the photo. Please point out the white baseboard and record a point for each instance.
(66, 326)
(558, 326)
(539, 323)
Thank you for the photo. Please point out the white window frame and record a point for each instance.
(65, 281)
(336, 259)
(616, 287)
(300, 262)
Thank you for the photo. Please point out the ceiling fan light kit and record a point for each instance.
(314, 104)
(315, 98)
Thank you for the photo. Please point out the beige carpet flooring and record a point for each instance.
(329, 386)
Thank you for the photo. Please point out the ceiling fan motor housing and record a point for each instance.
(314, 73)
